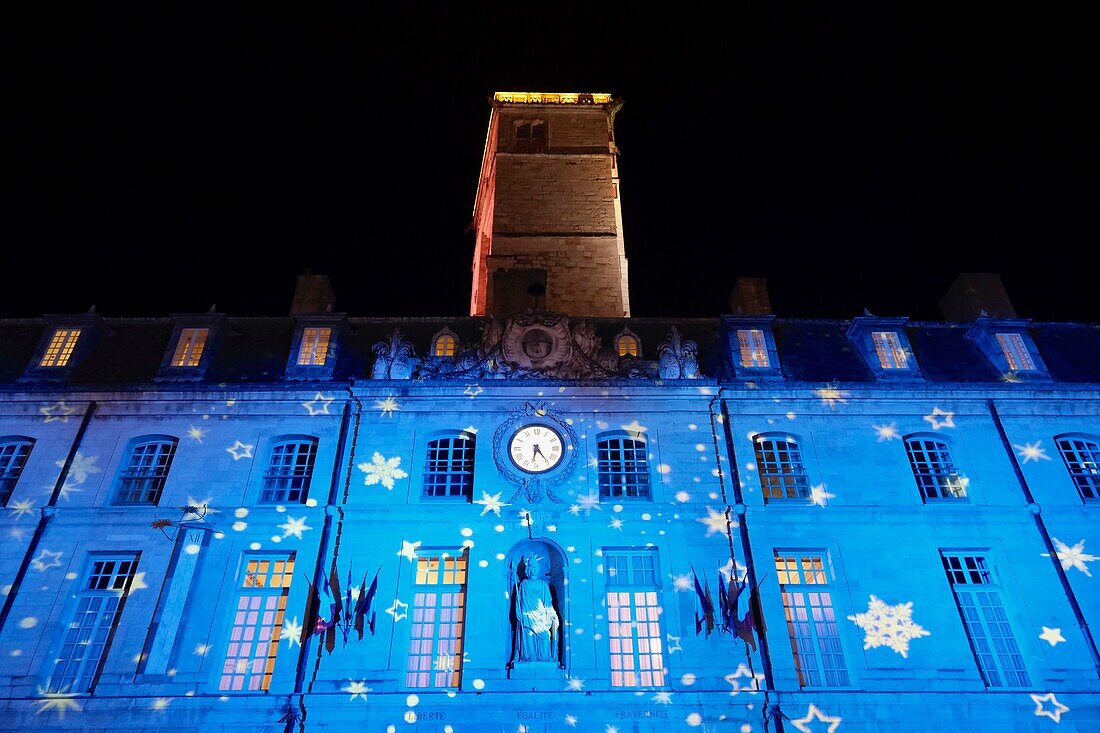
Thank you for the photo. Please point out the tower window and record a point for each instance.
(779, 462)
(1082, 457)
(811, 619)
(289, 471)
(13, 457)
(1015, 352)
(190, 346)
(142, 481)
(60, 348)
(935, 472)
(449, 469)
(313, 350)
(531, 137)
(888, 348)
(623, 467)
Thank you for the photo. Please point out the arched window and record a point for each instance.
(1082, 456)
(622, 465)
(445, 343)
(146, 469)
(289, 470)
(14, 450)
(627, 344)
(779, 462)
(935, 472)
(449, 468)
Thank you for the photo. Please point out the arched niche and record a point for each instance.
(553, 570)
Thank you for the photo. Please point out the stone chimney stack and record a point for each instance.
(312, 295)
(975, 292)
(750, 297)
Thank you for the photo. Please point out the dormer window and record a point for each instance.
(752, 353)
(313, 351)
(1015, 352)
(888, 349)
(60, 349)
(190, 346)
(627, 344)
(445, 344)
(753, 347)
(531, 137)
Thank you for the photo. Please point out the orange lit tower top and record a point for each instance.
(547, 219)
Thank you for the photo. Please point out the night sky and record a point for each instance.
(159, 161)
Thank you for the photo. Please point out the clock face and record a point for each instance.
(536, 448)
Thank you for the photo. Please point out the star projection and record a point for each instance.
(887, 432)
(387, 406)
(382, 470)
(1052, 636)
(940, 419)
(318, 405)
(491, 503)
(889, 626)
(819, 496)
(240, 450)
(812, 714)
(1029, 452)
(832, 396)
(294, 527)
(57, 412)
(57, 701)
(1057, 708)
(1073, 557)
(715, 522)
(356, 689)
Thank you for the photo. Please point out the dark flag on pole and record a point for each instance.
(706, 603)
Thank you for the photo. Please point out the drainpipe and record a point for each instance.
(750, 565)
(1037, 516)
(48, 513)
(331, 509)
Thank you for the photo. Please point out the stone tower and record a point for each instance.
(547, 219)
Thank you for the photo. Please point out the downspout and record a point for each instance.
(773, 713)
(322, 552)
(1037, 516)
(47, 514)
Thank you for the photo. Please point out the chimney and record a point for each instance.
(975, 293)
(750, 297)
(312, 295)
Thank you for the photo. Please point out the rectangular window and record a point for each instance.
(314, 348)
(1015, 351)
(289, 472)
(811, 619)
(257, 623)
(634, 618)
(189, 347)
(782, 474)
(13, 456)
(622, 468)
(983, 615)
(754, 348)
(143, 478)
(888, 347)
(88, 635)
(1082, 458)
(438, 622)
(60, 347)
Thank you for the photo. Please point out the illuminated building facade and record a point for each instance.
(498, 523)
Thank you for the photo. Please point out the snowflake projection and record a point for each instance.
(20, 508)
(196, 434)
(160, 704)
(58, 700)
(715, 522)
(889, 626)
(888, 431)
(616, 523)
(940, 419)
(588, 503)
(382, 470)
(294, 527)
(729, 569)
(240, 450)
(202, 649)
(819, 496)
(681, 583)
(356, 689)
(57, 412)
(831, 396)
(1073, 557)
(1029, 452)
(663, 698)
(387, 406)
(318, 405)
(202, 505)
(812, 714)
(46, 560)
(292, 632)
(492, 503)
(1058, 709)
(81, 468)
(571, 721)
(576, 684)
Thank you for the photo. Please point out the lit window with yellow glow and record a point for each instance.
(314, 348)
(891, 354)
(61, 347)
(627, 345)
(257, 624)
(190, 347)
(445, 345)
(634, 618)
(437, 632)
(1015, 351)
(753, 347)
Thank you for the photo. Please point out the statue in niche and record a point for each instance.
(536, 624)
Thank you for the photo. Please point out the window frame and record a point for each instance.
(933, 476)
(442, 555)
(986, 335)
(9, 479)
(90, 326)
(627, 335)
(865, 334)
(653, 602)
(1093, 484)
(336, 324)
(799, 481)
(234, 608)
(805, 588)
(127, 463)
(526, 144)
(734, 326)
(439, 338)
(268, 474)
(467, 494)
(187, 343)
(60, 356)
(213, 324)
(643, 476)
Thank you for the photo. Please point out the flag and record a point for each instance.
(363, 604)
(313, 603)
(706, 603)
(336, 606)
(708, 610)
(746, 626)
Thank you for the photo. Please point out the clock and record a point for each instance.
(536, 448)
